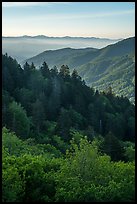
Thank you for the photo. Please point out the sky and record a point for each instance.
(85, 19)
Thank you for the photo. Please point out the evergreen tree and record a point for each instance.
(64, 71)
(45, 70)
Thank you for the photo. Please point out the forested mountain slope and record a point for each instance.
(67, 56)
(113, 65)
(49, 95)
(62, 141)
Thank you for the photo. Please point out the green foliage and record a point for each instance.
(98, 142)
(83, 175)
(52, 113)
(12, 184)
(59, 143)
(12, 144)
(28, 169)
(129, 151)
(19, 121)
(15, 146)
(38, 184)
(87, 177)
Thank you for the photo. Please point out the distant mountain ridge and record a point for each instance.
(113, 65)
(68, 37)
(24, 47)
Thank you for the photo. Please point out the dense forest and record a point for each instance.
(62, 140)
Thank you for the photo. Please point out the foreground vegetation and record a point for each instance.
(62, 141)
(34, 172)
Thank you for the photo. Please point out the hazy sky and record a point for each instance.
(87, 19)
